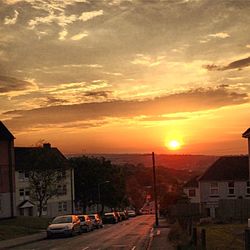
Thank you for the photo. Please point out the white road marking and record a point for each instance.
(151, 232)
(85, 248)
(133, 248)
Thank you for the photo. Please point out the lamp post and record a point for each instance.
(155, 191)
(99, 193)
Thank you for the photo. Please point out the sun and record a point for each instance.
(174, 145)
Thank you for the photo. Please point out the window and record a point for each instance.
(248, 187)
(62, 206)
(230, 187)
(24, 194)
(214, 189)
(23, 175)
(191, 192)
(62, 189)
(44, 210)
(21, 194)
(61, 174)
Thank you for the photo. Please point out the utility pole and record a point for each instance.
(155, 191)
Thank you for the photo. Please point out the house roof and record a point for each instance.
(227, 168)
(246, 134)
(28, 158)
(5, 134)
(193, 182)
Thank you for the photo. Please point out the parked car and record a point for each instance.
(131, 213)
(123, 215)
(66, 225)
(118, 216)
(86, 223)
(110, 218)
(96, 220)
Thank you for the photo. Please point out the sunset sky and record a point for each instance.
(126, 76)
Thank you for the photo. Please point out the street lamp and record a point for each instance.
(99, 193)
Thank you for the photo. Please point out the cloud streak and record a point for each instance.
(11, 84)
(238, 64)
(11, 20)
(190, 101)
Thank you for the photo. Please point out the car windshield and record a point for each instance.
(82, 218)
(91, 216)
(63, 219)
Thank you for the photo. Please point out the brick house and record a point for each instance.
(7, 177)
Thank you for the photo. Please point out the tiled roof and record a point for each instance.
(27, 158)
(246, 134)
(193, 182)
(5, 133)
(227, 168)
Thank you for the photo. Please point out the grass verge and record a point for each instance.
(21, 226)
(225, 236)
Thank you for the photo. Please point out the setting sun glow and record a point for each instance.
(174, 145)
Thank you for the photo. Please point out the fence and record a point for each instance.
(234, 210)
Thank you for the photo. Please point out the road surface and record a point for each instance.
(132, 234)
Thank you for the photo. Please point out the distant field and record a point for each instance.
(192, 162)
(21, 226)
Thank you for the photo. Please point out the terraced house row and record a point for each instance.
(33, 180)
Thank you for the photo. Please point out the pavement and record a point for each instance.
(158, 239)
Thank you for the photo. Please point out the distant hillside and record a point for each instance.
(178, 162)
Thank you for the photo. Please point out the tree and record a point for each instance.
(43, 186)
(91, 171)
(46, 167)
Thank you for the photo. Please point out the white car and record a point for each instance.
(66, 225)
(131, 213)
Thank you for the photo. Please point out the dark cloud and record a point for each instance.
(55, 101)
(8, 84)
(190, 101)
(239, 64)
(98, 94)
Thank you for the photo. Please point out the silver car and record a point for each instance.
(66, 225)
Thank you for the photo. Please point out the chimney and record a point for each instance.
(47, 145)
(246, 134)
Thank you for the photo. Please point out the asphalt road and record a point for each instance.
(132, 234)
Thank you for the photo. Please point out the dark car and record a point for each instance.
(110, 218)
(86, 223)
(96, 220)
(66, 225)
(118, 216)
(123, 215)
